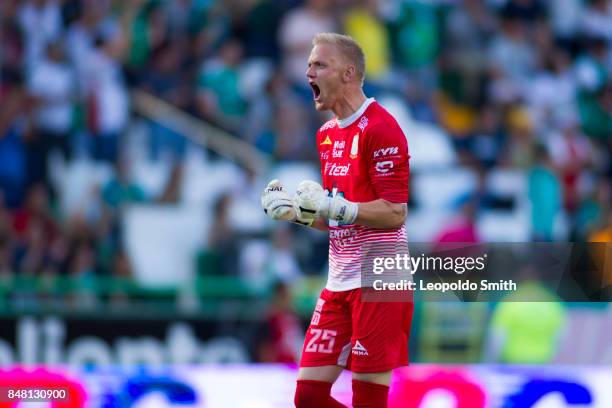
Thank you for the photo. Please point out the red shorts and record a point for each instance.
(364, 337)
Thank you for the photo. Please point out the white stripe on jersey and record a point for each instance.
(352, 246)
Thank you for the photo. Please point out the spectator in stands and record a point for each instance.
(165, 79)
(93, 20)
(462, 228)
(488, 142)
(596, 19)
(12, 47)
(284, 331)
(512, 59)
(593, 208)
(297, 28)
(571, 153)
(107, 97)
(282, 262)
(292, 130)
(82, 271)
(41, 23)
(363, 22)
(545, 196)
(36, 211)
(526, 326)
(13, 165)
(219, 97)
(551, 92)
(32, 253)
(467, 30)
(522, 140)
(591, 65)
(416, 41)
(121, 190)
(122, 277)
(259, 29)
(52, 83)
(6, 248)
(147, 31)
(6, 269)
(218, 257)
(171, 193)
(528, 11)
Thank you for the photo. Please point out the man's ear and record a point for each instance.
(349, 73)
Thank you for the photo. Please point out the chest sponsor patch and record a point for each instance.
(334, 169)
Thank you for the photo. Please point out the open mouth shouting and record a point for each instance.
(316, 91)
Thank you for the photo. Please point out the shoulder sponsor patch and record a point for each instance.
(386, 151)
(384, 166)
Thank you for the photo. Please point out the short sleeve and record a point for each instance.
(388, 166)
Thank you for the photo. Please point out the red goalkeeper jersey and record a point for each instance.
(363, 157)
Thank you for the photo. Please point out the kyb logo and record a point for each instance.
(333, 169)
(384, 166)
(386, 151)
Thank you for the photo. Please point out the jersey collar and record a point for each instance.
(346, 122)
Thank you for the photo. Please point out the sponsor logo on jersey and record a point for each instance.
(338, 148)
(333, 169)
(363, 122)
(359, 350)
(325, 155)
(328, 125)
(386, 151)
(327, 141)
(354, 146)
(341, 233)
(384, 166)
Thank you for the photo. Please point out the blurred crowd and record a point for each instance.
(521, 84)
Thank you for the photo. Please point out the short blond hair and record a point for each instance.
(347, 46)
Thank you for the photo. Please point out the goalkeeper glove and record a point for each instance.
(312, 202)
(279, 206)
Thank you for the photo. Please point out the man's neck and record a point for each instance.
(349, 104)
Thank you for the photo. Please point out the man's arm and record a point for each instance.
(381, 214)
(313, 202)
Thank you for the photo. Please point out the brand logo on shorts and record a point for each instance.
(316, 315)
(359, 350)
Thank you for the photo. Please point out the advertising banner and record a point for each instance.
(77, 342)
(272, 386)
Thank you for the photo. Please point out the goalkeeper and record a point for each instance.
(361, 202)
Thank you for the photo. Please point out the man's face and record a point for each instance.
(324, 74)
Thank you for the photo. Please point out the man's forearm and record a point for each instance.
(381, 214)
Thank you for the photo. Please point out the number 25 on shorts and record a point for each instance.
(322, 341)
